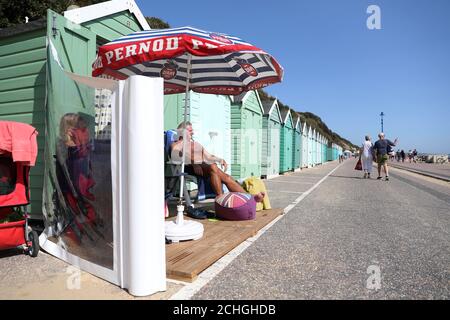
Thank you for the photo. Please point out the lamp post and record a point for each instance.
(382, 115)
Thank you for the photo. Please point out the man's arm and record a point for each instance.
(209, 158)
(393, 144)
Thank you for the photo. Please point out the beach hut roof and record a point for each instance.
(285, 113)
(305, 127)
(106, 8)
(240, 98)
(296, 119)
(270, 106)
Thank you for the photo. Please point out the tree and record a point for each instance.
(157, 23)
(13, 12)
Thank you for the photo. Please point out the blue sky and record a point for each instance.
(340, 70)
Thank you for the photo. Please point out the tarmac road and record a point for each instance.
(321, 249)
(327, 246)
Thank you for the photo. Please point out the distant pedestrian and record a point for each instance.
(398, 155)
(403, 155)
(414, 154)
(390, 152)
(410, 155)
(367, 157)
(381, 152)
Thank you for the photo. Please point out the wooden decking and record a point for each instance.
(185, 260)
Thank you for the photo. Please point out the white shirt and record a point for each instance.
(366, 149)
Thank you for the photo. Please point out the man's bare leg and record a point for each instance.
(218, 177)
(386, 171)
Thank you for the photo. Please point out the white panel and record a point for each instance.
(142, 186)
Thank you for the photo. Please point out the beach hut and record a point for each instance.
(246, 135)
(271, 127)
(330, 151)
(211, 129)
(314, 147)
(286, 140)
(319, 148)
(334, 151)
(310, 147)
(296, 143)
(75, 37)
(324, 150)
(304, 145)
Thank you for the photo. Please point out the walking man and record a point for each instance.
(381, 152)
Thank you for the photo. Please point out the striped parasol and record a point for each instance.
(216, 63)
(188, 59)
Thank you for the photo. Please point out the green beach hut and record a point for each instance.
(286, 140)
(297, 142)
(304, 145)
(271, 128)
(246, 135)
(324, 150)
(23, 60)
(319, 148)
(314, 147)
(310, 148)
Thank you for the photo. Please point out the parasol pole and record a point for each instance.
(180, 208)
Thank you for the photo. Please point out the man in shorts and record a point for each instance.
(201, 163)
(381, 154)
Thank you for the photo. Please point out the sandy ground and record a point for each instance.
(49, 278)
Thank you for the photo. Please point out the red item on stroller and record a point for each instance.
(14, 194)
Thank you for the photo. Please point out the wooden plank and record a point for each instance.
(186, 260)
(18, 58)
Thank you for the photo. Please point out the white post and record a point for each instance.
(187, 105)
(144, 258)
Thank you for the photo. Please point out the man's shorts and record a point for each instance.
(198, 169)
(382, 159)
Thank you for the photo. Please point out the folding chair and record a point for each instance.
(173, 174)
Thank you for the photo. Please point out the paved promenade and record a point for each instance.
(338, 228)
(441, 171)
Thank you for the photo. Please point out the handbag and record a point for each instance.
(358, 165)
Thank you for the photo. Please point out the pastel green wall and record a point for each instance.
(113, 26)
(23, 89)
(310, 149)
(246, 137)
(304, 147)
(296, 147)
(22, 95)
(270, 155)
(286, 145)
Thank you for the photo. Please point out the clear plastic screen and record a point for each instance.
(78, 197)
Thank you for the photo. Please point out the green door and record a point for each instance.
(256, 148)
(75, 44)
(82, 182)
(71, 47)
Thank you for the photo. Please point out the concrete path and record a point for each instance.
(351, 238)
(336, 230)
(440, 171)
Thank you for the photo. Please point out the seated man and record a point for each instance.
(201, 163)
